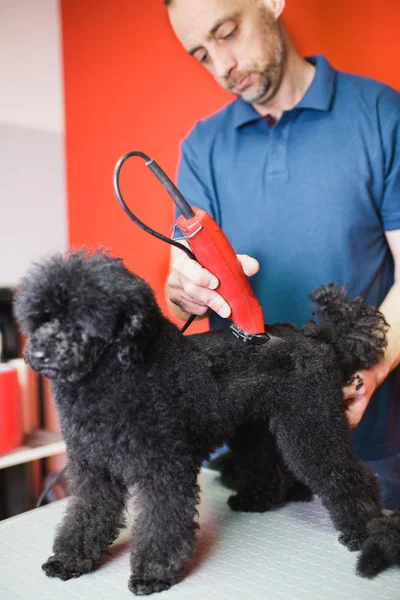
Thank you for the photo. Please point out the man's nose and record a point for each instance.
(224, 63)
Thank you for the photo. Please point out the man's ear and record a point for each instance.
(276, 6)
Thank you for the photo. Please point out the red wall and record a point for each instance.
(129, 85)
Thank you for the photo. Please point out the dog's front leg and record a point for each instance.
(93, 518)
(164, 533)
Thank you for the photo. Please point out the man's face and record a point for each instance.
(238, 41)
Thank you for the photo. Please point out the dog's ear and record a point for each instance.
(137, 332)
(114, 302)
(125, 310)
(139, 319)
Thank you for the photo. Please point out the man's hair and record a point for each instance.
(168, 2)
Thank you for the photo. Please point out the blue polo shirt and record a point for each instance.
(311, 198)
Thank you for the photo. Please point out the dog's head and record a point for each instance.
(71, 308)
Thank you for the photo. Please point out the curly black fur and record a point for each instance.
(141, 407)
(382, 548)
(347, 326)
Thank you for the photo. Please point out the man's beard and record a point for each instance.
(260, 91)
(270, 74)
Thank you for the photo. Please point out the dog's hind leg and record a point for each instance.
(382, 549)
(164, 532)
(92, 521)
(315, 442)
(262, 480)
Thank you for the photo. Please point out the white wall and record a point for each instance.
(32, 180)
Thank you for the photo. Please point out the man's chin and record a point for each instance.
(256, 96)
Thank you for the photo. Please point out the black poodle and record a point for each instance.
(142, 406)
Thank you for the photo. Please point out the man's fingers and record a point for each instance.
(349, 392)
(194, 272)
(192, 288)
(218, 305)
(194, 298)
(205, 296)
(250, 265)
(354, 388)
(188, 306)
(355, 409)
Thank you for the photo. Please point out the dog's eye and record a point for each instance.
(40, 317)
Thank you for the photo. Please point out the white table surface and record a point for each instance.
(292, 553)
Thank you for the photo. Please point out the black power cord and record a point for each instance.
(51, 483)
(185, 209)
(172, 190)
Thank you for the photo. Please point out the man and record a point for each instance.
(302, 172)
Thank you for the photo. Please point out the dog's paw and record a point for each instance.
(66, 567)
(352, 541)
(373, 560)
(145, 587)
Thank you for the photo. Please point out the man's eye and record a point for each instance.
(202, 58)
(230, 34)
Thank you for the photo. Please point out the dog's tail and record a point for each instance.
(356, 332)
(382, 548)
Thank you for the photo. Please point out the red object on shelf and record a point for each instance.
(10, 409)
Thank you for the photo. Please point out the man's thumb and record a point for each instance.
(250, 265)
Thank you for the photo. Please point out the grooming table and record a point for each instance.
(292, 554)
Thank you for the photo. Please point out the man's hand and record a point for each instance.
(358, 393)
(192, 288)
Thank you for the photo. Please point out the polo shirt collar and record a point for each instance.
(319, 95)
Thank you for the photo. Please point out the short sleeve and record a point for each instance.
(390, 208)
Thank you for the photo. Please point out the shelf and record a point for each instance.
(38, 444)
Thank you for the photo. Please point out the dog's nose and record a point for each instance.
(41, 356)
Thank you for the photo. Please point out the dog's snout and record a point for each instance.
(41, 356)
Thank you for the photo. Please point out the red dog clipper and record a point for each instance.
(211, 248)
(214, 252)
